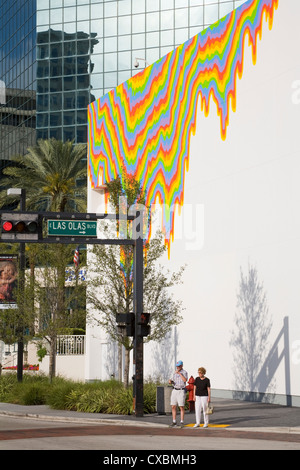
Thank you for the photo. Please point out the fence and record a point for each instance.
(70, 345)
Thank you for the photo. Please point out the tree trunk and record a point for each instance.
(126, 368)
(120, 349)
(52, 358)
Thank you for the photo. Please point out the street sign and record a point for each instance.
(72, 228)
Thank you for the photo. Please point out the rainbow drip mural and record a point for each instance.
(144, 125)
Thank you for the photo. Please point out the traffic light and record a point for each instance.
(126, 322)
(143, 327)
(18, 226)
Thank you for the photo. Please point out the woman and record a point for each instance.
(201, 396)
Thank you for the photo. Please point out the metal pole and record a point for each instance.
(21, 297)
(138, 260)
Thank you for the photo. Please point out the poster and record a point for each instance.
(8, 280)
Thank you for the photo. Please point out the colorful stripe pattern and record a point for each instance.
(144, 125)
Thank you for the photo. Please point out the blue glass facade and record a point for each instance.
(18, 74)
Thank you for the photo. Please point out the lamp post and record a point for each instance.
(20, 327)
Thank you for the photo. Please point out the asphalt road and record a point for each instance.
(234, 426)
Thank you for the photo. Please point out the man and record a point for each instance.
(179, 392)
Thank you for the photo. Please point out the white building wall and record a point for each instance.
(248, 187)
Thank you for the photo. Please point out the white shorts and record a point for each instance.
(178, 397)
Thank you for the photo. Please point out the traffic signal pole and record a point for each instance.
(21, 287)
(138, 260)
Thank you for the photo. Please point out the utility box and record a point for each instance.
(163, 400)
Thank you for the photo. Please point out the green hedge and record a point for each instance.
(97, 397)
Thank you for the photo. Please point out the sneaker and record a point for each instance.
(172, 425)
(205, 425)
(196, 426)
(181, 425)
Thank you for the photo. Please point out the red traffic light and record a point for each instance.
(20, 226)
(7, 226)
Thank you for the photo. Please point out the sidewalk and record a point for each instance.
(231, 415)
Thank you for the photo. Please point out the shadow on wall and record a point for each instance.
(255, 364)
(164, 356)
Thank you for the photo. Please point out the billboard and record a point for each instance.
(212, 129)
(8, 280)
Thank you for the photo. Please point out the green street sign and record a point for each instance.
(72, 228)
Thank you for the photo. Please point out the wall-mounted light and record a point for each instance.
(137, 64)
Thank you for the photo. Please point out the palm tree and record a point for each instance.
(53, 173)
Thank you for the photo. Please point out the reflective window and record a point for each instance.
(70, 14)
(70, 66)
(196, 16)
(82, 99)
(69, 100)
(138, 6)
(69, 48)
(42, 120)
(55, 101)
(167, 19)
(225, 8)
(69, 118)
(43, 86)
(81, 117)
(81, 134)
(56, 49)
(152, 5)
(83, 47)
(110, 9)
(42, 51)
(55, 85)
(83, 64)
(166, 4)
(124, 7)
(69, 83)
(181, 18)
(83, 81)
(181, 35)
(83, 12)
(110, 27)
(97, 10)
(55, 67)
(124, 60)
(68, 133)
(138, 23)
(110, 44)
(55, 119)
(138, 41)
(56, 16)
(211, 14)
(152, 39)
(110, 62)
(152, 21)
(167, 38)
(124, 25)
(97, 63)
(96, 81)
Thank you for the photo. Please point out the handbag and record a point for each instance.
(209, 409)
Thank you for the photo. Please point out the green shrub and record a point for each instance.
(96, 397)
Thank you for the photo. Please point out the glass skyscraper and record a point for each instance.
(59, 55)
(17, 73)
